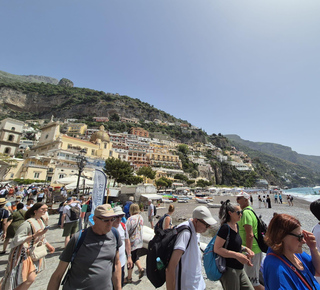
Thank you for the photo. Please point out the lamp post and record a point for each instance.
(81, 163)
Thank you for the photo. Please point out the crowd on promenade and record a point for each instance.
(101, 249)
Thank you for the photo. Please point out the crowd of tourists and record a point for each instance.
(101, 249)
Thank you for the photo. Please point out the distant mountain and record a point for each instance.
(280, 151)
(7, 77)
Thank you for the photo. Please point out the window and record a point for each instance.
(36, 175)
(92, 151)
(12, 175)
(47, 136)
(7, 150)
(61, 176)
(11, 138)
(13, 129)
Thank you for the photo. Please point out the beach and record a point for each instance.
(183, 211)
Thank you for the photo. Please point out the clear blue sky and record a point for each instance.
(233, 67)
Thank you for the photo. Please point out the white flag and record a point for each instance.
(99, 188)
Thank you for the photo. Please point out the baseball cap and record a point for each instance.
(203, 213)
(118, 210)
(243, 194)
(104, 210)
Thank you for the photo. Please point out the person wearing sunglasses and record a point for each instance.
(287, 266)
(186, 249)
(236, 255)
(248, 230)
(96, 264)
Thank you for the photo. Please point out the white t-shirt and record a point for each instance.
(316, 232)
(66, 210)
(191, 274)
(122, 249)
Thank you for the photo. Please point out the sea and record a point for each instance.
(309, 194)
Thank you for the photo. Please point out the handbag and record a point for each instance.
(37, 250)
(214, 264)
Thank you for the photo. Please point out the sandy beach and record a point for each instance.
(183, 211)
(300, 209)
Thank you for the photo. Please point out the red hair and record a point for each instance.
(280, 226)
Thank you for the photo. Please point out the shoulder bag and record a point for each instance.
(37, 250)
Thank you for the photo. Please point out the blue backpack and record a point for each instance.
(211, 260)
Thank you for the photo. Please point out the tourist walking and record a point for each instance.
(268, 201)
(96, 264)
(134, 226)
(4, 214)
(286, 265)
(167, 221)
(125, 249)
(280, 198)
(70, 219)
(14, 221)
(315, 209)
(234, 277)
(260, 200)
(150, 213)
(190, 255)
(22, 270)
(248, 230)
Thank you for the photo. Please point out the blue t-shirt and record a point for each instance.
(277, 275)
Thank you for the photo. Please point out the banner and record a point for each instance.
(99, 188)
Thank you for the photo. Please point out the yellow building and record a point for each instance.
(76, 129)
(54, 156)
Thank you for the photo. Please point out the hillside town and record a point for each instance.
(50, 153)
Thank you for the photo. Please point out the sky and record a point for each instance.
(249, 68)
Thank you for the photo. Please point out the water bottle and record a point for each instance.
(160, 264)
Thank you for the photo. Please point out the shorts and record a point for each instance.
(253, 272)
(151, 219)
(70, 228)
(135, 255)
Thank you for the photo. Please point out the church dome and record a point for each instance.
(101, 134)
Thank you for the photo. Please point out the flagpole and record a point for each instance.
(108, 192)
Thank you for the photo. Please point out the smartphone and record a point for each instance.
(47, 227)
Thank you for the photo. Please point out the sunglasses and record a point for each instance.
(204, 223)
(239, 212)
(300, 236)
(119, 217)
(106, 221)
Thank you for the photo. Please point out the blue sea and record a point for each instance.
(307, 193)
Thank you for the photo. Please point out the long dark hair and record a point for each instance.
(226, 206)
(31, 210)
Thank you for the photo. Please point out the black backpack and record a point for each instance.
(262, 229)
(154, 210)
(74, 213)
(160, 223)
(162, 246)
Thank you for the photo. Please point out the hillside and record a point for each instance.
(35, 97)
(7, 77)
(295, 169)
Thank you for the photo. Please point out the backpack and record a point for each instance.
(126, 209)
(154, 210)
(162, 246)
(262, 229)
(74, 212)
(159, 224)
(211, 260)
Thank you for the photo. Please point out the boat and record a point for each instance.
(213, 205)
(201, 200)
(183, 200)
(165, 200)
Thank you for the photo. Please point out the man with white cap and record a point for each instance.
(248, 229)
(126, 245)
(96, 264)
(150, 212)
(187, 250)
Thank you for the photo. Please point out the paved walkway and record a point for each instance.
(54, 237)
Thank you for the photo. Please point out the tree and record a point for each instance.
(162, 181)
(180, 176)
(203, 183)
(147, 172)
(114, 117)
(135, 180)
(119, 170)
(184, 149)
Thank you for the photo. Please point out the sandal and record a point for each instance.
(127, 280)
(141, 273)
